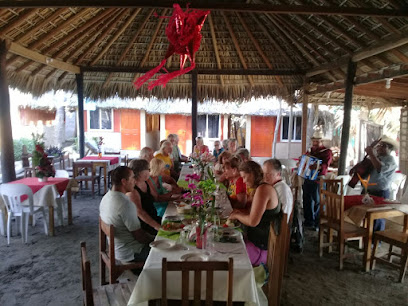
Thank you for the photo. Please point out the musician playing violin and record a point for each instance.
(382, 171)
(311, 199)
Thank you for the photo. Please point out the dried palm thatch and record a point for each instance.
(249, 48)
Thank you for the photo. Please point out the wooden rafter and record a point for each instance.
(150, 46)
(116, 36)
(215, 46)
(237, 48)
(273, 41)
(129, 45)
(18, 21)
(40, 24)
(258, 48)
(37, 57)
(72, 38)
(236, 7)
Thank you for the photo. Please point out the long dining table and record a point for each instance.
(148, 285)
(107, 162)
(46, 193)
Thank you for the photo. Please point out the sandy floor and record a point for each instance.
(46, 271)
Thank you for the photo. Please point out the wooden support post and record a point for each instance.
(348, 101)
(81, 124)
(6, 136)
(304, 121)
(194, 108)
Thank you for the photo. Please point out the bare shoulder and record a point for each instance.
(265, 189)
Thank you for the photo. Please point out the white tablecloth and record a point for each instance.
(148, 285)
(109, 166)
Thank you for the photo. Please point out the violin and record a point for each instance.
(362, 168)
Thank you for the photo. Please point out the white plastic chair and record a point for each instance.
(397, 185)
(346, 179)
(61, 200)
(12, 194)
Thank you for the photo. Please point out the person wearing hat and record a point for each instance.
(384, 167)
(311, 198)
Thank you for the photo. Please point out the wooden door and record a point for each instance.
(262, 130)
(130, 129)
(180, 125)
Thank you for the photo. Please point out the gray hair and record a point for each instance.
(145, 152)
(164, 145)
(274, 164)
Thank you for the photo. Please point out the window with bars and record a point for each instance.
(296, 128)
(100, 119)
(208, 126)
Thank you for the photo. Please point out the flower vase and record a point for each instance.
(201, 236)
(99, 154)
(43, 179)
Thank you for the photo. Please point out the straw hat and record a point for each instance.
(317, 135)
(390, 141)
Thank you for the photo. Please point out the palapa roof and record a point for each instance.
(249, 48)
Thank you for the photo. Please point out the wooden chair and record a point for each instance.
(197, 267)
(393, 238)
(276, 261)
(332, 219)
(107, 255)
(116, 294)
(86, 172)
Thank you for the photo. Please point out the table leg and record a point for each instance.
(105, 179)
(69, 204)
(367, 253)
(51, 223)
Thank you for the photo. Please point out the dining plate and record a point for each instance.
(195, 256)
(162, 244)
(172, 226)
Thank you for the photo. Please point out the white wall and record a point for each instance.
(283, 147)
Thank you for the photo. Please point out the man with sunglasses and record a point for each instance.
(384, 167)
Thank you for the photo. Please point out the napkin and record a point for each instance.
(169, 235)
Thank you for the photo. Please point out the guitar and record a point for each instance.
(362, 168)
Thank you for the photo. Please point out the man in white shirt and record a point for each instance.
(272, 169)
(131, 241)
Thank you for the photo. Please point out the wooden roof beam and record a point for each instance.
(259, 49)
(204, 5)
(17, 21)
(274, 42)
(237, 47)
(126, 69)
(72, 38)
(150, 46)
(116, 36)
(372, 77)
(129, 46)
(215, 46)
(363, 54)
(39, 58)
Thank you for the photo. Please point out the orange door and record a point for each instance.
(262, 130)
(130, 129)
(180, 125)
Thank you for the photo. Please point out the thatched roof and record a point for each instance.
(277, 45)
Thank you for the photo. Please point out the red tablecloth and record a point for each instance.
(353, 200)
(112, 159)
(35, 185)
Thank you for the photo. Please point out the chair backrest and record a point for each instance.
(397, 185)
(107, 255)
(332, 201)
(65, 161)
(276, 261)
(346, 179)
(13, 196)
(86, 277)
(91, 148)
(87, 167)
(61, 173)
(197, 267)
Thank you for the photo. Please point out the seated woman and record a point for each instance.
(218, 167)
(264, 210)
(200, 147)
(165, 186)
(143, 197)
(166, 148)
(218, 149)
(237, 188)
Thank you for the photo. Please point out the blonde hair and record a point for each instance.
(164, 145)
(156, 166)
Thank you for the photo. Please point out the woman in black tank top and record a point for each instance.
(143, 197)
(265, 209)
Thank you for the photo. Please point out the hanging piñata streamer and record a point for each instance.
(184, 35)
